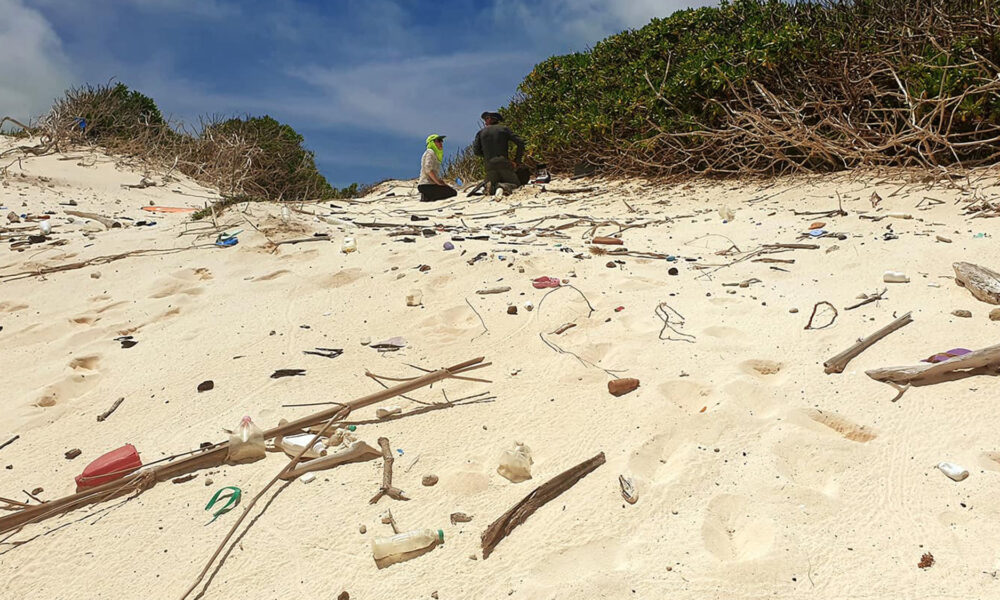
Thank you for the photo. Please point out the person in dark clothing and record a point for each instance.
(430, 185)
(493, 144)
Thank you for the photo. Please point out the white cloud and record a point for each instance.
(34, 69)
(414, 96)
(583, 22)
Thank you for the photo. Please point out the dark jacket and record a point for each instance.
(492, 141)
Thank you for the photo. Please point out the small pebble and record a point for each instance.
(95, 275)
(206, 385)
(429, 480)
(71, 454)
(362, 530)
(793, 310)
(962, 313)
(511, 310)
(995, 314)
(208, 482)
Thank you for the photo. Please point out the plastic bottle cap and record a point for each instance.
(441, 535)
(352, 427)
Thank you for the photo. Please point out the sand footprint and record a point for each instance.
(732, 533)
(690, 396)
(84, 378)
(762, 367)
(340, 278)
(847, 429)
(12, 306)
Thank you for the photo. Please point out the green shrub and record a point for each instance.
(767, 86)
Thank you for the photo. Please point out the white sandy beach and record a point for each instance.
(759, 476)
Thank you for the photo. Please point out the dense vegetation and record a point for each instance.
(766, 87)
(247, 158)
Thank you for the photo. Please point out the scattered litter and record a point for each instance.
(287, 373)
(449, 246)
(628, 489)
(104, 415)
(620, 387)
(515, 465)
(390, 345)
(895, 277)
(545, 282)
(402, 543)
(325, 352)
(246, 444)
(349, 245)
(953, 471)
(109, 466)
(607, 241)
(126, 341)
(414, 298)
(941, 238)
(232, 501)
(943, 356)
(495, 290)
(71, 454)
(168, 209)
(529, 306)
(308, 477)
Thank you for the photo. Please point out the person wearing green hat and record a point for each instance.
(431, 186)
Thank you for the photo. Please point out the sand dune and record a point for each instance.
(758, 474)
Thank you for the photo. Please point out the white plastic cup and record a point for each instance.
(45, 227)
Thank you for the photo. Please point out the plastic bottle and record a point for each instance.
(895, 277)
(405, 542)
(726, 213)
(45, 227)
(293, 444)
(953, 471)
(515, 464)
(349, 245)
(246, 444)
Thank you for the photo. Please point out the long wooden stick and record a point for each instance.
(839, 362)
(543, 494)
(984, 357)
(104, 415)
(214, 456)
(108, 223)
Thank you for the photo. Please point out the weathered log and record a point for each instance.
(109, 223)
(982, 282)
(984, 357)
(838, 362)
(387, 488)
(544, 493)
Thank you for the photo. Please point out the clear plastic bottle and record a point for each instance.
(293, 444)
(895, 277)
(246, 444)
(515, 464)
(349, 245)
(405, 542)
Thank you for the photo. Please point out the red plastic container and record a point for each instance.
(113, 465)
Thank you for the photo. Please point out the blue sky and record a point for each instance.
(364, 81)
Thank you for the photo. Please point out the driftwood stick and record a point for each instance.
(809, 325)
(108, 223)
(387, 489)
(984, 357)
(114, 407)
(982, 282)
(839, 362)
(871, 298)
(10, 441)
(214, 456)
(791, 246)
(783, 261)
(543, 494)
